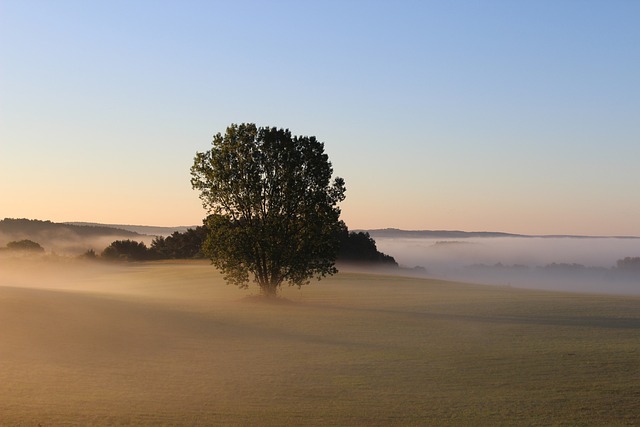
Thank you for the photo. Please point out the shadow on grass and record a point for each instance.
(262, 299)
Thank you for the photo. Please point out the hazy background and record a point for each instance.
(532, 251)
(492, 115)
(522, 261)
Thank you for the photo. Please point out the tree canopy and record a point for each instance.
(126, 250)
(273, 206)
(25, 245)
(180, 245)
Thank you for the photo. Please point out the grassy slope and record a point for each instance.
(169, 343)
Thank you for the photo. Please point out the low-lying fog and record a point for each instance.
(70, 244)
(560, 263)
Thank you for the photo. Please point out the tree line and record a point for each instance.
(354, 247)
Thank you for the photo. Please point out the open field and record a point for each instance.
(169, 343)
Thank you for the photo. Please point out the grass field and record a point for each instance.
(170, 343)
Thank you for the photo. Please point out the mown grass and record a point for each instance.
(169, 343)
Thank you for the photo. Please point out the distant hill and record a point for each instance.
(140, 229)
(456, 234)
(436, 234)
(21, 226)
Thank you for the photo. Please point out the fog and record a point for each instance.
(63, 242)
(168, 343)
(582, 264)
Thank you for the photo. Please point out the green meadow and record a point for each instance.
(168, 343)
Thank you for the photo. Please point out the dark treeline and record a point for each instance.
(359, 247)
(355, 247)
(185, 245)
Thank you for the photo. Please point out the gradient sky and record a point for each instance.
(517, 116)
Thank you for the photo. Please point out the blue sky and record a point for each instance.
(493, 115)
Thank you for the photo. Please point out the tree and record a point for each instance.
(25, 245)
(89, 254)
(180, 245)
(359, 247)
(126, 249)
(272, 204)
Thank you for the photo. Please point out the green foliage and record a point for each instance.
(180, 245)
(25, 245)
(128, 250)
(273, 206)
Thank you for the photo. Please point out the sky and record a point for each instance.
(514, 116)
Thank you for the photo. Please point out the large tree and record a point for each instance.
(272, 204)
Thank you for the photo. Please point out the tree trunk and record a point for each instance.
(269, 290)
